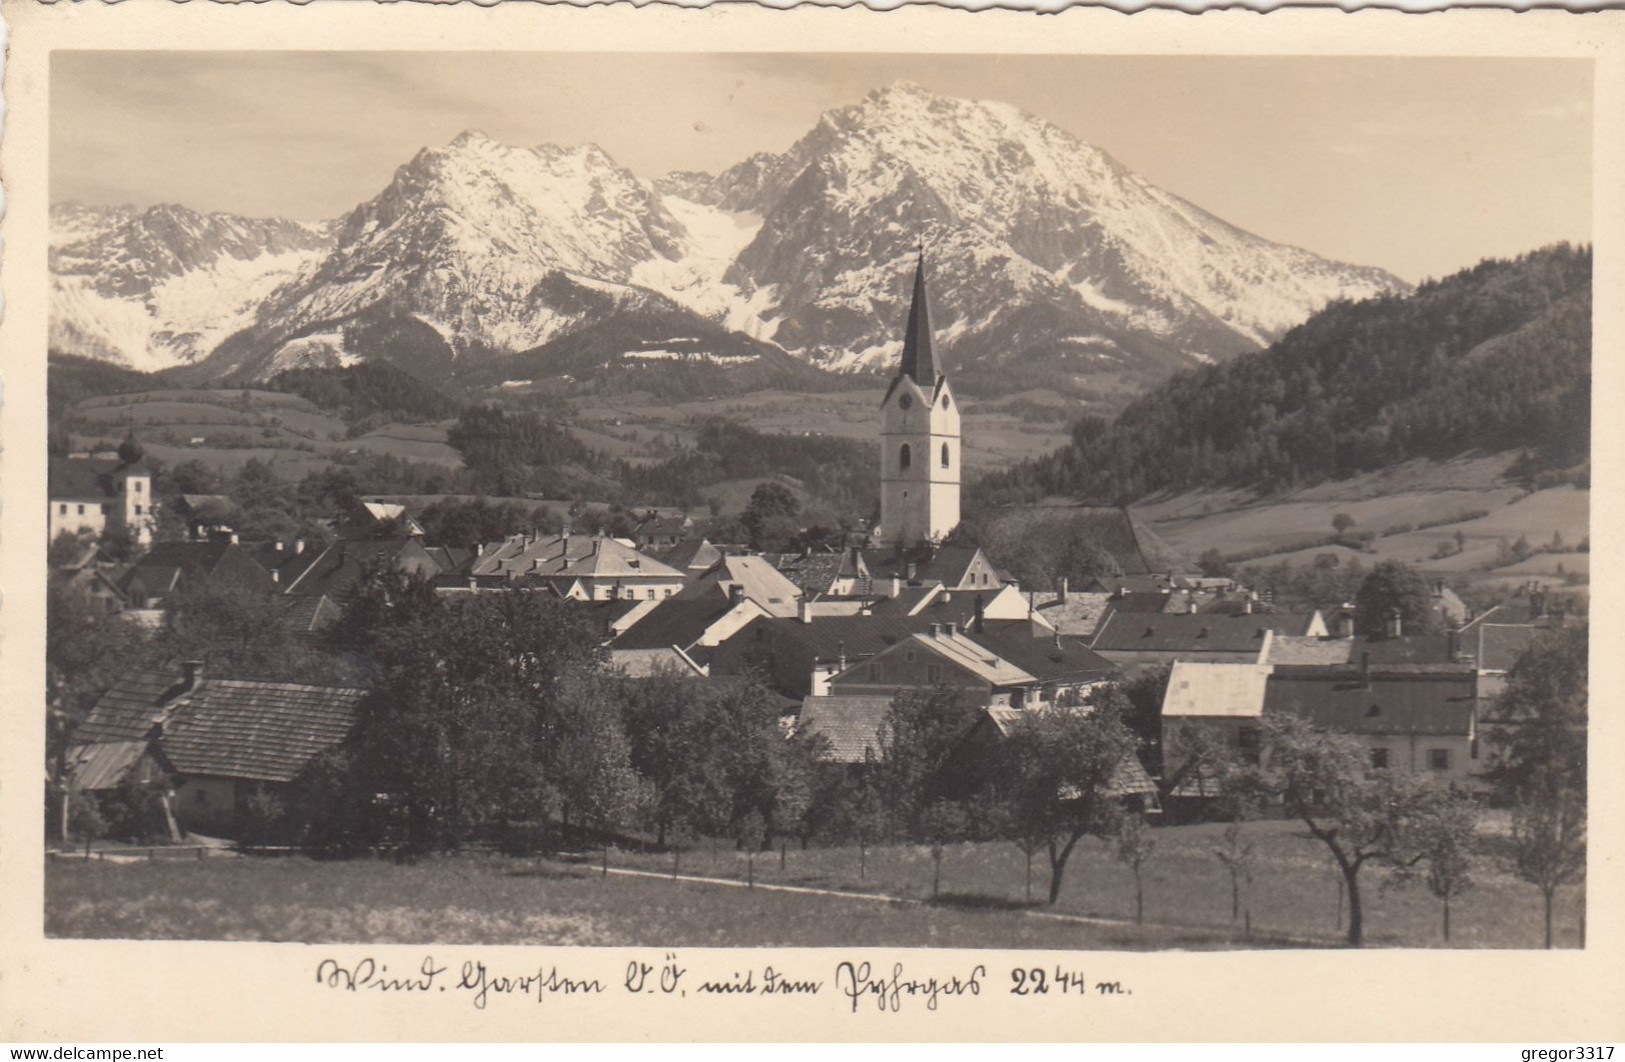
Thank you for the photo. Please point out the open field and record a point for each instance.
(486, 898)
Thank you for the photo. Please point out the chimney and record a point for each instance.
(950, 629)
(913, 572)
(299, 545)
(936, 630)
(1395, 627)
(1061, 590)
(1247, 605)
(1345, 622)
(736, 593)
(805, 609)
(473, 583)
(840, 654)
(280, 545)
(1365, 669)
(234, 538)
(896, 587)
(977, 619)
(193, 670)
(276, 576)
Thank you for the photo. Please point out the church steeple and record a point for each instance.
(919, 364)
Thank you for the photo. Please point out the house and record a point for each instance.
(690, 555)
(93, 494)
(753, 576)
(822, 573)
(578, 567)
(1050, 670)
(1140, 640)
(175, 567)
(348, 561)
(680, 631)
(211, 743)
(952, 567)
(372, 516)
(1420, 718)
(852, 725)
(796, 657)
(975, 751)
(1227, 698)
(206, 515)
(657, 532)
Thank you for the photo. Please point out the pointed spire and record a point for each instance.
(918, 361)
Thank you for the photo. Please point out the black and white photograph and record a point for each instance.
(806, 500)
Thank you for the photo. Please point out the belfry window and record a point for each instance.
(904, 457)
(944, 455)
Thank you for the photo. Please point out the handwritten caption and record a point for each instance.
(858, 984)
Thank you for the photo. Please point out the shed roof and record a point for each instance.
(103, 764)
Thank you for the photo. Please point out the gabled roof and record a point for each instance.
(1045, 658)
(962, 652)
(208, 506)
(344, 563)
(262, 731)
(128, 711)
(1208, 690)
(1497, 646)
(569, 557)
(691, 554)
(1187, 633)
(675, 621)
(1296, 649)
(1131, 778)
(759, 580)
(89, 478)
(851, 724)
(940, 564)
(1403, 699)
(816, 573)
(1406, 649)
(171, 566)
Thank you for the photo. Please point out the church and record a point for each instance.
(919, 441)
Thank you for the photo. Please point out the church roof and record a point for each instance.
(918, 360)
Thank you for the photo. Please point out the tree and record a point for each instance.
(1238, 856)
(66, 548)
(1341, 522)
(941, 824)
(1538, 760)
(1362, 816)
(920, 730)
(750, 834)
(1449, 857)
(1549, 844)
(1135, 846)
(770, 513)
(589, 756)
(87, 650)
(1212, 564)
(1392, 585)
(1057, 771)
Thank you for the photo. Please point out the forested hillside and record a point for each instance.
(1497, 357)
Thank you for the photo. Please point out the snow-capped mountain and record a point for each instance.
(165, 286)
(1040, 244)
(1044, 253)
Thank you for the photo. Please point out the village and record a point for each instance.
(918, 691)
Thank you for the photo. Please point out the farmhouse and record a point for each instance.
(207, 745)
(578, 567)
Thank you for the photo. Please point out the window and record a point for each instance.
(945, 400)
(904, 457)
(137, 485)
(62, 510)
(651, 593)
(905, 402)
(944, 455)
(81, 510)
(1379, 759)
(908, 654)
(138, 510)
(1439, 759)
(933, 673)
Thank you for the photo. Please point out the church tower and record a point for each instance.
(919, 440)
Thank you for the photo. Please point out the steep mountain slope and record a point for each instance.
(1049, 262)
(1041, 246)
(166, 285)
(1495, 358)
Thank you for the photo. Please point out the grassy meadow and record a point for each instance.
(487, 898)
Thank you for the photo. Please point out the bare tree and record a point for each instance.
(1135, 846)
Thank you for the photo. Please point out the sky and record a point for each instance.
(1420, 165)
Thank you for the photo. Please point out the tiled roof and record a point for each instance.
(759, 580)
(128, 710)
(815, 573)
(691, 554)
(209, 506)
(675, 621)
(344, 563)
(570, 557)
(851, 724)
(236, 728)
(1131, 778)
(1407, 649)
(1497, 646)
(981, 661)
(263, 731)
(1187, 633)
(1045, 658)
(1299, 649)
(174, 565)
(945, 564)
(1437, 699)
(1215, 690)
